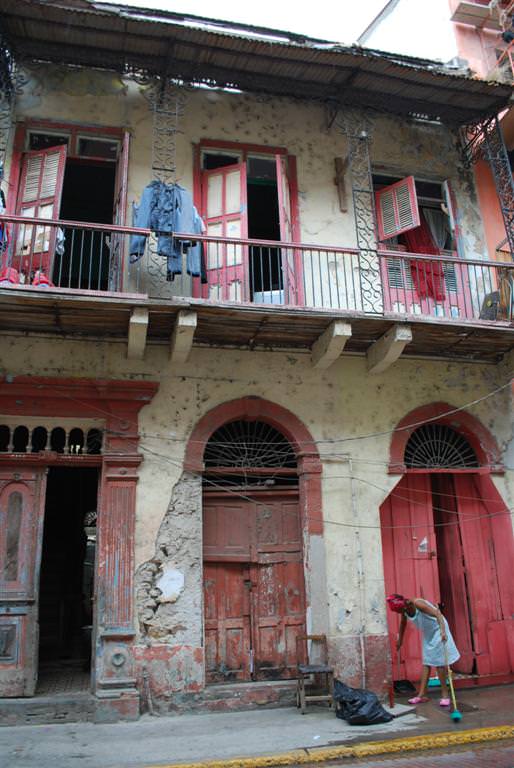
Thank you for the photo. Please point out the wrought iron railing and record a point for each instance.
(64, 254)
(255, 271)
(104, 257)
(447, 287)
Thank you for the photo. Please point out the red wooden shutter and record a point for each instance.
(397, 208)
(39, 196)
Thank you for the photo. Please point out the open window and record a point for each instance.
(248, 194)
(406, 204)
(75, 174)
(418, 216)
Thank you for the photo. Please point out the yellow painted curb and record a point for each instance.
(366, 749)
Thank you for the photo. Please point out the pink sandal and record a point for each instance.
(419, 700)
(444, 703)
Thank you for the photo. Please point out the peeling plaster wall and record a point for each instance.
(348, 404)
(169, 584)
(402, 147)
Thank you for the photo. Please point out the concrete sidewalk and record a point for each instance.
(154, 741)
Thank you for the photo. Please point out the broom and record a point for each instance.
(455, 715)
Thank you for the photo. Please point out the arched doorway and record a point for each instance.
(254, 589)
(447, 537)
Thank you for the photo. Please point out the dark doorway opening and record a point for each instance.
(453, 570)
(266, 279)
(87, 195)
(67, 579)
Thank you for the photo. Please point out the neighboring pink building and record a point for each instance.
(483, 31)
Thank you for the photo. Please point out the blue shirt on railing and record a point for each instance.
(166, 208)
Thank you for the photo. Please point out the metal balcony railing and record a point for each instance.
(447, 287)
(97, 257)
(63, 254)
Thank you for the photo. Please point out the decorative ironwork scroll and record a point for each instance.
(357, 127)
(484, 140)
(167, 100)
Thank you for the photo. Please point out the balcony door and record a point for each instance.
(74, 174)
(246, 195)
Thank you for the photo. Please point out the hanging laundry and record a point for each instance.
(165, 209)
(427, 276)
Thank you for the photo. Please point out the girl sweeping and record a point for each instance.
(439, 648)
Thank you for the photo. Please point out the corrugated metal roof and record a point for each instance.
(87, 33)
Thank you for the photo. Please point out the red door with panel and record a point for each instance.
(22, 498)
(254, 591)
(441, 541)
(410, 560)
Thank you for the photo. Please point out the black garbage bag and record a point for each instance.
(358, 706)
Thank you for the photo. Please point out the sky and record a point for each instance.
(416, 27)
(335, 20)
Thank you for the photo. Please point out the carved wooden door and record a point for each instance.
(254, 591)
(22, 499)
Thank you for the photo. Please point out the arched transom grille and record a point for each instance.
(437, 446)
(248, 444)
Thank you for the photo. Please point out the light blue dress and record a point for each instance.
(433, 646)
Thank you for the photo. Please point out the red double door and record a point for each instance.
(448, 538)
(254, 593)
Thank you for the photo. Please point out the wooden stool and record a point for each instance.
(315, 678)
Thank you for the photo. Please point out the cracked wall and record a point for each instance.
(168, 586)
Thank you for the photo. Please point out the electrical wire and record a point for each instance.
(327, 441)
(234, 492)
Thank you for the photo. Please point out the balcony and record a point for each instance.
(77, 278)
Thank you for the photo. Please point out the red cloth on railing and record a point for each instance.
(427, 276)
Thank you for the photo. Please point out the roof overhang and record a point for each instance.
(223, 54)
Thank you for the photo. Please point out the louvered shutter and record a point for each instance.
(41, 183)
(397, 208)
(39, 197)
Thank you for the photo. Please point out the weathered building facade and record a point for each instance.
(203, 460)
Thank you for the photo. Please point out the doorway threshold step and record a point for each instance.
(48, 710)
(224, 697)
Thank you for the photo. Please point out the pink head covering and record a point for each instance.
(397, 603)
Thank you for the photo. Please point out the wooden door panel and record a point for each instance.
(224, 208)
(227, 528)
(22, 495)
(227, 622)
(410, 562)
(279, 617)
(255, 609)
(492, 653)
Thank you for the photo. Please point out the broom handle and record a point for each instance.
(450, 678)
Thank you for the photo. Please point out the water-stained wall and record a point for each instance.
(398, 146)
(350, 415)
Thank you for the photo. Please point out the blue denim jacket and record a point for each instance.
(167, 208)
